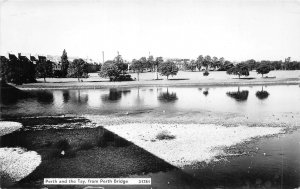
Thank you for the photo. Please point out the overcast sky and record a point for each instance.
(234, 29)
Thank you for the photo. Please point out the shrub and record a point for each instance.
(206, 73)
(123, 78)
(164, 135)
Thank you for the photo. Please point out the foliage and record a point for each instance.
(137, 66)
(206, 62)
(262, 94)
(167, 97)
(109, 70)
(64, 63)
(192, 65)
(199, 62)
(123, 77)
(93, 68)
(239, 69)
(150, 64)
(239, 95)
(168, 68)
(251, 64)
(206, 73)
(119, 62)
(57, 73)
(226, 66)
(78, 69)
(165, 135)
(263, 68)
(44, 68)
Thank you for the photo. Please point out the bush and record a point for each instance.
(206, 73)
(164, 135)
(57, 74)
(122, 78)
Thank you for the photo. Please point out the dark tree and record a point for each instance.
(226, 66)
(64, 63)
(109, 70)
(119, 62)
(239, 69)
(168, 68)
(150, 63)
(263, 68)
(199, 62)
(157, 62)
(251, 64)
(44, 68)
(78, 69)
(207, 62)
(137, 66)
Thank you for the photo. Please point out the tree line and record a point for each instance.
(117, 69)
(21, 69)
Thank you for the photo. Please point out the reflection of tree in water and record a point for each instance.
(167, 97)
(66, 96)
(206, 91)
(44, 97)
(238, 95)
(81, 98)
(262, 94)
(125, 91)
(11, 94)
(114, 95)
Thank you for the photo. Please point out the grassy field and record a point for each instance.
(181, 79)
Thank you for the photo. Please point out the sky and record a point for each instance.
(234, 29)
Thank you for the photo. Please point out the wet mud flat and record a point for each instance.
(85, 153)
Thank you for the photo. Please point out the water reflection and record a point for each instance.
(167, 96)
(115, 95)
(206, 92)
(80, 97)
(238, 95)
(66, 96)
(262, 94)
(102, 101)
(11, 95)
(44, 97)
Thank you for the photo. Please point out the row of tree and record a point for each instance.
(223, 65)
(117, 69)
(21, 70)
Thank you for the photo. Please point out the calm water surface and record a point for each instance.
(254, 100)
(272, 162)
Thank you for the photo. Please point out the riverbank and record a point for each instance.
(182, 79)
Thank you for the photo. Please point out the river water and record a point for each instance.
(273, 161)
